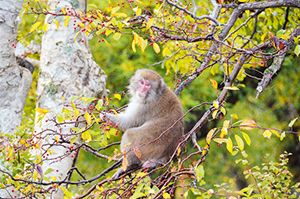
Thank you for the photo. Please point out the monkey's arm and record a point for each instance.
(122, 120)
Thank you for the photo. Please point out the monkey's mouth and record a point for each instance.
(142, 95)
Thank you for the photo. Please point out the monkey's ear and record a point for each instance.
(160, 86)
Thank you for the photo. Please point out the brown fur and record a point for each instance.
(146, 119)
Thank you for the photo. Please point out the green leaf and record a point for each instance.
(117, 36)
(200, 172)
(49, 171)
(114, 10)
(59, 118)
(90, 100)
(73, 98)
(99, 104)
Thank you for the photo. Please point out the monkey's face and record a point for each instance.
(143, 88)
(146, 86)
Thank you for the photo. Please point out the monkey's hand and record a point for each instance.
(107, 117)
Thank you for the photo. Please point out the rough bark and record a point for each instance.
(67, 69)
(15, 80)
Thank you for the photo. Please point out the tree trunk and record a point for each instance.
(67, 69)
(15, 80)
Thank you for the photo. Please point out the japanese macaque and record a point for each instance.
(153, 108)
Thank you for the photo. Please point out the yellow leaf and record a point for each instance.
(214, 83)
(216, 104)
(240, 142)
(229, 145)
(231, 88)
(166, 195)
(235, 116)
(57, 138)
(178, 151)
(66, 192)
(86, 136)
(124, 163)
(57, 24)
(115, 112)
(291, 124)
(144, 45)
(117, 36)
(138, 12)
(137, 152)
(118, 96)
(219, 140)
(99, 14)
(34, 26)
(275, 132)
(88, 118)
(22, 141)
(214, 114)
(81, 24)
(45, 27)
(42, 111)
(126, 145)
(18, 176)
(156, 48)
(76, 35)
(133, 46)
(223, 110)
(26, 189)
(209, 135)
(67, 19)
(282, 136)
(150, 23)
(141, 174)
(267, 134)
(224, 131)
(114, 10)
(247, 138)
(226, 123)
(107, 101)
(247, 124)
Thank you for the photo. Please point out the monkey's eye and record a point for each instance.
(148, 84)
(142, 82)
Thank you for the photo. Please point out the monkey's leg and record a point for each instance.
(133, 164)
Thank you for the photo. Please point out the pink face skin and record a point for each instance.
(143, 87)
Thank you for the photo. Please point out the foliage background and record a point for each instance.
(274, 108)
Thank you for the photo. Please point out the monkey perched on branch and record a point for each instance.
(150, 122)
